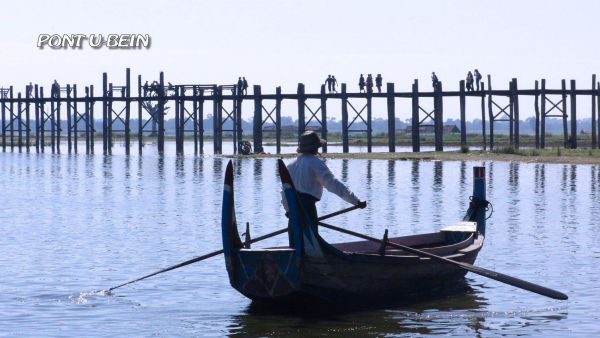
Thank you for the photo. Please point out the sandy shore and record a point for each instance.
(565, 156)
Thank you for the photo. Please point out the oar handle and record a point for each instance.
(544, 291)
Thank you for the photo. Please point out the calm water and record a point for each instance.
(73, 224)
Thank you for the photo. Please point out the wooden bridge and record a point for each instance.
(66, 104)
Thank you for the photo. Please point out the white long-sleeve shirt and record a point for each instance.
(310, 175)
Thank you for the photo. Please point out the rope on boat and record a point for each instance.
(481, 203)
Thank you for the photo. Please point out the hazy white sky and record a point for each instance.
(285, 42)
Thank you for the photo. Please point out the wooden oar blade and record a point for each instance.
(541, 290)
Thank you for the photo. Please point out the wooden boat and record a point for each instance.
(314, 270)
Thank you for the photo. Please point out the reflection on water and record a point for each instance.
(79, 223)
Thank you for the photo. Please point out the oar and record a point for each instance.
(475, 269)
(218, 252)
(197, 259)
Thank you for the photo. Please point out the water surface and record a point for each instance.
(76, 223)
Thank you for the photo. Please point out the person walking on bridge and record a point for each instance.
(328, 83)
(310, 175)
(378, 82)
(477, 78)
(244, 85)
(434, 80)
(333, 83)
(361, 83)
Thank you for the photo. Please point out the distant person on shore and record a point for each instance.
(434, 80)
(369, 83)
(378, 82)
(477, 78)
(469, 81)
(310, 174)
(240, 85)
(361, 83)
(245, 85)
(333, 83)
(328, 83)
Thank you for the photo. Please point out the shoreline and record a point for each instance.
(565, 156)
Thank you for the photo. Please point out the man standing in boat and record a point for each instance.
(310, 175)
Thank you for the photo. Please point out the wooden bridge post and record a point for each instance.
(483, 115)
(573, 100)
(344, 118)
(543, 115)
(216, 108)
(201, 119)
(369, 121)
(127, 110)
(598, 105)
(439, 118)
(27, 120)
(52, 121)
(140, 121)
(12, 120)
(69, 120)
(109, 125)
(257, 132)
(42, 120)
(239, 132)
(278, 119)
(301, 119)
(323, 117)
(511, 115)
(463, 124)
(87, 120)
(195, 118)
(416, 141)
(537, 116)
(515, 95)
(490, 112)
(91, 117)
(75, 118)
(3, 122)
(37, 119)
(104, 114)
(564, 106)
(178, 143)
(161, 114)
(391, 112)
(58, 128)
(594, 94)
(20, 125)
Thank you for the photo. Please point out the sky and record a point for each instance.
(281, 43)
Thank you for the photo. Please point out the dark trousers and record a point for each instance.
(309, 204)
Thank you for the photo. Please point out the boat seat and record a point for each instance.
(459, 231)
(463, 226)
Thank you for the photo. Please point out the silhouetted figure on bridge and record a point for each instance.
(29, 89)
(146, 87)
(477, 78)
(469, 82)
(434, 80)
(369, 83)
(328, 83)
(240, 85)
(333, 83)
(244, 85)
(55, 91)
(361, 83)
(378, 82)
